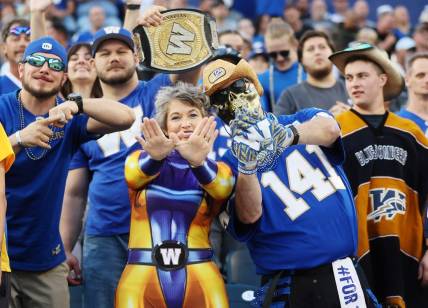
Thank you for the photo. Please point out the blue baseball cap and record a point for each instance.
(46, 44)
(258, 49)
(109, 33)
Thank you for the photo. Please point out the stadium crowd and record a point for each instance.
(291, 168)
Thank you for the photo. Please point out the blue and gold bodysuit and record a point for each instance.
(169, 260)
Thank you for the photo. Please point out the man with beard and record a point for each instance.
(15, 36)
(321, 89)
(45, 132)
(107, 224)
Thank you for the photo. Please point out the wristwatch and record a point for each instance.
(133, 7)
(296, 135)
(77, 98)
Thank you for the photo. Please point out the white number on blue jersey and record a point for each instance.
(220, 151)
(303, 177)
(110, 143)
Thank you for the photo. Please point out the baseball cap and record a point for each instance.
(109, 33)
(385, 8)
(46, 44)
(258, 50)
(225, 52)
(405, 43)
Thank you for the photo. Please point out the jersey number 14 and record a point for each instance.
(302, 177)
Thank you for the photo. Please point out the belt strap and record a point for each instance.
(144, 256)
(270, 292)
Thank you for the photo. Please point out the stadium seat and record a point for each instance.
(241, 269)
(240, 295)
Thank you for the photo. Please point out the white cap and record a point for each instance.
(405, 43)
(385, 8)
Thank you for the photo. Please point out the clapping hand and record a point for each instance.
(155, 143)
(196, 148)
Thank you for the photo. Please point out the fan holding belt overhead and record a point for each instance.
(185, 39)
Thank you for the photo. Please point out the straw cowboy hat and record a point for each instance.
(395, 82)
(219, 73)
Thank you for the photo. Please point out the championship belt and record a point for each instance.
(185, 39)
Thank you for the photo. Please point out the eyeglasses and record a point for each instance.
(38, 61)
(238, 86)
(20, 30)
(283, 53)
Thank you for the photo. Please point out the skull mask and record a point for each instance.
(248, 101)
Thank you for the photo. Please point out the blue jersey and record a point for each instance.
(308, 214)
(9, 83)
(223, 141)
(35, 189)
(282, 80)
(109, 207)
(404, 113)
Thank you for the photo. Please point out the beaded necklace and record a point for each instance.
(28, 151)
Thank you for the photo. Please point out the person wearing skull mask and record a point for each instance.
(292, 204)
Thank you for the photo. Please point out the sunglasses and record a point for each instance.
(20, 30)
(222, 96)
(38, 61)
(283, 53)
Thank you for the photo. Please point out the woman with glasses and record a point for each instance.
(175, 192)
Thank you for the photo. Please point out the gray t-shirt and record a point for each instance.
(304, 95)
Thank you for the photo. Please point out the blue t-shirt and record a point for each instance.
(9, 83)
(109, 207)
(282, 80)
(35, 189)
(308, 214)
(415, 118)
(223, 141)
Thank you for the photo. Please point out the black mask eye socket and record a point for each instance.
(222, 96)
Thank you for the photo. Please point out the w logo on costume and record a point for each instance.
(170, 255)
(177, 40)
(386, 203)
